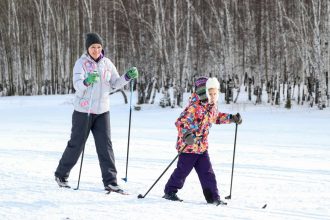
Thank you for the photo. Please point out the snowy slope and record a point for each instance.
(282, 160)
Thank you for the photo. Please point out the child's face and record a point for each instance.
(213, 96)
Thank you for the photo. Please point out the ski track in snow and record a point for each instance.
(282, 160)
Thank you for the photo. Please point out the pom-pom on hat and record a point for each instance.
(200, 88)
(93, 38)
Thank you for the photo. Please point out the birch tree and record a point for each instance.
(284, 44)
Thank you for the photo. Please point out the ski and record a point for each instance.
(217, 203)
(221, 204)
(120, 191)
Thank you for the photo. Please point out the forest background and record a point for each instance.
(277, 47)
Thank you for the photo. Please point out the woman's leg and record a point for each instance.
(102, 136)
(79, 133)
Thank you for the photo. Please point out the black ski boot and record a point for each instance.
(62, 182)
(114, 188)
(172, 196)
(219, 202)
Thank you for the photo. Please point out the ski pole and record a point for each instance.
(232, 167)
(140, 196)
(129, 129)
(86, 135)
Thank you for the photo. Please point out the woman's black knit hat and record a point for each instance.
(93, 38)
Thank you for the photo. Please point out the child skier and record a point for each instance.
(193, 128)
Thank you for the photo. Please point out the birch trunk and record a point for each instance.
(285, 47)
(87, 4)
(185, 66)
(319, 63)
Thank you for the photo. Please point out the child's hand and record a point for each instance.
(237, 118)
(188, 138)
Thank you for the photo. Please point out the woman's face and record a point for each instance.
(213, 95)
(95, 50)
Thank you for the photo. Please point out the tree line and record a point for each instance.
(277, 47)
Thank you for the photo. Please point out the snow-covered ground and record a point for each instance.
(282, 160)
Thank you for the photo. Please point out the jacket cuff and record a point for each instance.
(86, 83)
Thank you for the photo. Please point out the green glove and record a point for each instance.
(92, 78)
(132, 73)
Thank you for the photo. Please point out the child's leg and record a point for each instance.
(207, 178)
(185, 164)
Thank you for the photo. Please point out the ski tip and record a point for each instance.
(264, 206)
(119, 192)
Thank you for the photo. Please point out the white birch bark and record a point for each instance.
(229, 42)
(225, 44)
(88, 8)
(175, 42)
(319, 59)
(328, 57)
(299, 30)
(114, 31)
(177, 74)
(16, 50)
(43, 19)
(205, 36)
(185, 68)
(285, 49)
(130, 29)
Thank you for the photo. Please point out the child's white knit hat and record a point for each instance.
(212, 83)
